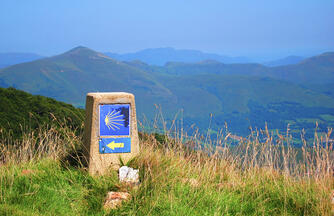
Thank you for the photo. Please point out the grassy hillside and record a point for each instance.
(20, 111)
(258, 178)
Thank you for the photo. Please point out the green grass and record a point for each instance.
(175, 180)
(50, 189)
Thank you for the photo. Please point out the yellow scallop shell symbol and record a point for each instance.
(113, 120)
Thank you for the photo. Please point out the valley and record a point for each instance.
(208, 93)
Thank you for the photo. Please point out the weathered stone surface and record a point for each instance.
(98, 163)
(128, 175)
(115, 199)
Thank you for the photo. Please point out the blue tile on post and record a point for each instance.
(115, 145)
(114, 119)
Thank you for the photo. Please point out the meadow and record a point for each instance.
(44, 173)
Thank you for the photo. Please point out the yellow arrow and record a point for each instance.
(114, 145)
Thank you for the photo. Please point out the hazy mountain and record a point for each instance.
(285, 61)
(68, 77)
(7, 59)
(215, 67)
(240, 94)
(160, 56)
(315, 70)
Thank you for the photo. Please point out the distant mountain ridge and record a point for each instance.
(242, 95)
(160, 56)
(69, 76)
(314, 70)
(8, 59)
(284, 61)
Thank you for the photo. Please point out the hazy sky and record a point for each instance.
(234, 27)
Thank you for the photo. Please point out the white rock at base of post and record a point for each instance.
(128, 175)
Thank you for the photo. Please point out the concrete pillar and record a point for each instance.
(110, 130)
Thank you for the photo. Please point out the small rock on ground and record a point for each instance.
(27, 172)
(128, 175)
(115, 199)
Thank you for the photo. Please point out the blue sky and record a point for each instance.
(253, 28)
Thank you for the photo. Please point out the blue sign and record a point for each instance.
(114, 119)
(115, 145)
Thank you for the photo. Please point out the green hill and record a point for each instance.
(242, 95)
(21, 111)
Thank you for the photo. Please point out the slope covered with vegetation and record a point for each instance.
(20, 111)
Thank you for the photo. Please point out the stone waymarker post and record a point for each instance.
(110, 130)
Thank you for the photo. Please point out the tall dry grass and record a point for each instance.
(48, 141)
(264, 173)
(264, 164)
(261, 149)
